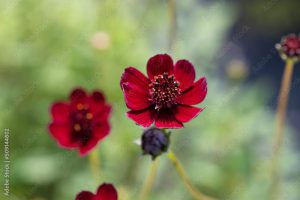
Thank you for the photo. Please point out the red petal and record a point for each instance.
(60, 112)
(186, 113)
(78, 95)
(166, 119)
(101, 130)
(136, 89)
(159, 64)
(97, 104)
(85, 195)
(184, 72)
(195, 94)
(135, 77)
(88, 146)
(135, 98)
(103, 114)
(142, 117)
(106, 192)
(62, 133)
(98, 97)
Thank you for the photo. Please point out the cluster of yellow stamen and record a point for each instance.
(84, 114)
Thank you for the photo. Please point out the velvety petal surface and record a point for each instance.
(106, 192)
(97, 97)
(142, 117)
(184, 72)
(85, 195)
(195, 94)
(135, 98)
(103, 114)
(101, 130)
(134, 77)
(166, 119)
(78, 95)
(60, 112)
(186, 113)
(61, 132)
(159, 64)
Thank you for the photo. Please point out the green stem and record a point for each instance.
(94, 161)
(279, 131)
(149, 181)
(181, 172)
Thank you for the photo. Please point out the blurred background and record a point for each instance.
(51, 46)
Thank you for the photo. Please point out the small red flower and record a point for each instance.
(104, 192)
(289, 47)
(166, 96)
(82, 122)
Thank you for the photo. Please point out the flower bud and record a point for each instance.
(155, 142)
(289, 47)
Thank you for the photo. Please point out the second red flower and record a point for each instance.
(81, 122)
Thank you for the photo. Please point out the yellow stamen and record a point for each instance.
(80, 106)
(77, 127)
(89, 116)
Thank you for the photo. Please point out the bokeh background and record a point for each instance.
(49, 47)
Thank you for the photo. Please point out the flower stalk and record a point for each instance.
(146, 189)
(94, 161)
(181, 172)
(279, 129)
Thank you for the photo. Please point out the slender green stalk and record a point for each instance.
(94, 161)
(150, 180)
(279, 131)
(181, 172)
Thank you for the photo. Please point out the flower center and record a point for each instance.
(81, 120)
(293, 43)
(164, 90)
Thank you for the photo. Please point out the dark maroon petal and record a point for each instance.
(85, 195)
(184, 72)
(62, 133)
(101, 130)
(133, 76)
(60, 112)
(195, 94)
(97, 102)
(135, 99)
(102, 114)
(106, 192)
(159, 64)
(87, 146)
(186, 113)
(78, 95)
(142, 117)
(98, 97)
(166, 119)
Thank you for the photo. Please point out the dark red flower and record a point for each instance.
(81, 122)
(289, 47)
(166, 96)
(104, 192)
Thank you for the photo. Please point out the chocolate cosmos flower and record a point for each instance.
(167, 96)
(82, 122)
(104, 192)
